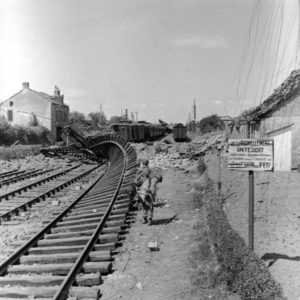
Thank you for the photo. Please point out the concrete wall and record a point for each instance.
(60, 118)
(23, 105)
(50, 114)
(286, 115)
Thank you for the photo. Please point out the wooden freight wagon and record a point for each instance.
(179, 132)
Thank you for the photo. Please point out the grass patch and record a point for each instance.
(241, 269)
(19, 151)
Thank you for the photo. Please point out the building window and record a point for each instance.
(10, 115)
(11, 103)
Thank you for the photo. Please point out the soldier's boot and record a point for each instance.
(145, 220)
(150, 222)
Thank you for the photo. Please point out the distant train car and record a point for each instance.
(179, 132)
(123, 129)
(138, 132)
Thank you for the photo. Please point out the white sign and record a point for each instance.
(250, 154)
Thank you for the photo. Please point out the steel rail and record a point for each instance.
(107, 199)
(43, 195)
(38, 182)
(11, 173)
(29, 174)
(63, 291)
(33, 241)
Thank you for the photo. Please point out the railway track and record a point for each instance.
(22, 175)
(11, 192)
(25, 197)
(68, 256)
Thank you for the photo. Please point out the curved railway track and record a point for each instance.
(67, 257)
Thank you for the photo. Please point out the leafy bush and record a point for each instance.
(211, 123)
(201, 165)
(19, 151)
(242, 270)
(23, 134)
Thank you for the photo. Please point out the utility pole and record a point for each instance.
(251, 200)
(194, 116)
(100, 117)
(126, 114)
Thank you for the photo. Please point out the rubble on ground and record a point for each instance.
(167, 153)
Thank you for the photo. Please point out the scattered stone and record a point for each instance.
(55, 202)
(139, 286)
(153, 245)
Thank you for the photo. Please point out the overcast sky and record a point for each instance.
(150, 56)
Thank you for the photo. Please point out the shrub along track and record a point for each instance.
(21, 198)
(67, 257)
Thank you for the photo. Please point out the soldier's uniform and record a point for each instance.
(149, 197)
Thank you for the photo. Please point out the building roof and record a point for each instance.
(50, 98)
(280, 95)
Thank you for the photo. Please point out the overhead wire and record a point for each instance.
(241, 63)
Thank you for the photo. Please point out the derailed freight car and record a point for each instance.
(139, 132)
(179, 132)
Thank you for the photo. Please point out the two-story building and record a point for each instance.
(48, 110)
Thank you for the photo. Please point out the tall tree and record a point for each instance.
(76, 117)
(211, 123)
(115, 119)
(95, 116)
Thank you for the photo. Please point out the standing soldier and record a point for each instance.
(147, 195)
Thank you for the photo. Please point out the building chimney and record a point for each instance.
(25, 85)
(56, 91)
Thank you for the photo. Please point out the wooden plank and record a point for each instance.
(115, 217)
(94, 267)
(27, 292)
(42, 292)
(63, 258)
(109, 238)
(80, 221)
(84, 292)
(63, 242)
(74, 228)
(112, 229)
(88, 279)
(41, 280)
(63, 235)
(69, 249)
(60, 269)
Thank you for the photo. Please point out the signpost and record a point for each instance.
(251, 155)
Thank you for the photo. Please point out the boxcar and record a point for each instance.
(179, 132)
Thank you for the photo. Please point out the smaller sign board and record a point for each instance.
(250, 154)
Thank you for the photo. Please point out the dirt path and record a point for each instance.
(179, 270)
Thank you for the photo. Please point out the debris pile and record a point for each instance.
(166, 153)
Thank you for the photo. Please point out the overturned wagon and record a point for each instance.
(179, 132)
